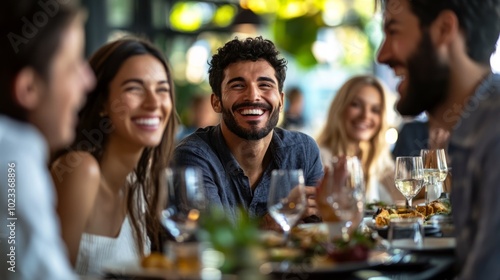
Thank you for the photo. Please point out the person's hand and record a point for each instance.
(438, 138)
(311, 208)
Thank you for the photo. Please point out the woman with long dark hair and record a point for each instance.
(108, 180)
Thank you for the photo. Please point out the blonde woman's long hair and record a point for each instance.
(375, 156)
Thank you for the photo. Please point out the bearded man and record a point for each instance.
(442, 51)
(238, 155)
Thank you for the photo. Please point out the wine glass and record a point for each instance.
(185, 202)
(346, 191)
(435, 172)
(409, 176)
(287, 198)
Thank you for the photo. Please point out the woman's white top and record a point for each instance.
(96, 251)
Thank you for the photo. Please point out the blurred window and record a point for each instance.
(120, 13)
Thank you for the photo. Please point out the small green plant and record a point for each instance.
(237, 241)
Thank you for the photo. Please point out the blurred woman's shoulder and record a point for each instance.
(76, 165)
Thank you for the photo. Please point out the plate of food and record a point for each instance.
(322, 265)
(372, 207)
(334, 257)
(383, 216)
(323, 255)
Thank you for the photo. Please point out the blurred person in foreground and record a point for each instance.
(356, 126)
(442, 50)
(43, 79)
(238, 155)
(108, 182)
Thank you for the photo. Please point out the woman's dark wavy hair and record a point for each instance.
(249, 49)
(479, 22)
(106, 63)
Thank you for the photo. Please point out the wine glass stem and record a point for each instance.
(345, 233)
(286, 237)
(409, 202)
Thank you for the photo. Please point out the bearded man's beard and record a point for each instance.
(428, 80)
(254, 132)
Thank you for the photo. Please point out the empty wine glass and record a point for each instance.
(287, 198)
(346, 191)
(185, 202)
(409, 176)
(435, 172)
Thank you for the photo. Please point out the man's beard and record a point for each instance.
(254, 132)
(428, 80)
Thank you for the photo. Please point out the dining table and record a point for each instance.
(423, 265)
(435, 259)
(386, 264)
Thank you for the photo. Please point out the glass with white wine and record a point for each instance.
(409, 176)
(435, 172)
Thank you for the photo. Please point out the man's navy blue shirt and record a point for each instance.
(225, 183)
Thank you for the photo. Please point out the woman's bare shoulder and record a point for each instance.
(76, 165)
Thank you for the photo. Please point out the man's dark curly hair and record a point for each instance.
(479, 21)
(249, 49)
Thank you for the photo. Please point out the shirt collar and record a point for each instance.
(232, 166)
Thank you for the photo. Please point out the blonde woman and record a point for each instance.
(356, 126)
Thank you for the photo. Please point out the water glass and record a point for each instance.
(444, 223)
(435, 172)
(185, 202)
(406, 233)
(186, 256)
(346, 191)
(287, 198)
